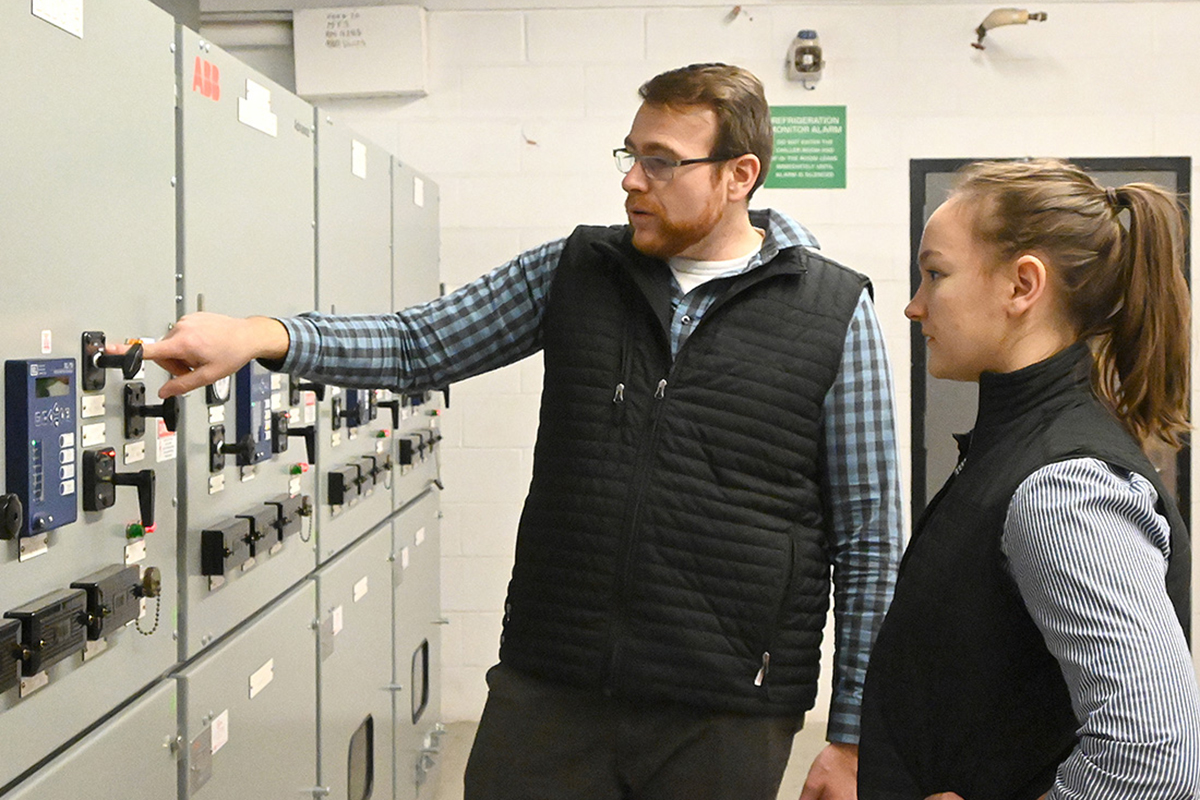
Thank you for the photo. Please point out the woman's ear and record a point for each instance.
(1030, 281)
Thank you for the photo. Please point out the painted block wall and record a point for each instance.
(523, 108)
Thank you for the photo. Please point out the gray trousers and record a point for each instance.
(539, 740)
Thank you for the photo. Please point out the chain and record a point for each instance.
(157, 610)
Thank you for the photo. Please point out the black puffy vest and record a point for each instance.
(962, 694)
(674, 530)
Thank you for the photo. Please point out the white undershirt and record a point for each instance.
(690, 273)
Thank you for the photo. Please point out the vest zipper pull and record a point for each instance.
(619, 396)
(762, 672)
(661, 391)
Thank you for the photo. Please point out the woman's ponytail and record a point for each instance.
(1142, 360)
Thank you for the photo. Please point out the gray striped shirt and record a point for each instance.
(1089, 554)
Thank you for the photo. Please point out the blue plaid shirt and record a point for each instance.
(496, 320)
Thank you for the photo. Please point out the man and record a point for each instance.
(716, 432)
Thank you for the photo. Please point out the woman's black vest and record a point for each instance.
(674, 533)
(962, 694)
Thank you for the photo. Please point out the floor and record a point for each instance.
(457, 743)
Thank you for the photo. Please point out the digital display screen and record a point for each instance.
(52, 387)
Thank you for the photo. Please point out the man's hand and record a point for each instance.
(202, 348)
(833, 774)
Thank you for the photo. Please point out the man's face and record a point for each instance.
(675, 216)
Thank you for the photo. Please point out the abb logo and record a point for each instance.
(206, 79)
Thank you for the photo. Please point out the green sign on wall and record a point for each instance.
(810, 147)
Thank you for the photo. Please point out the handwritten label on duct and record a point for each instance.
(344, 30)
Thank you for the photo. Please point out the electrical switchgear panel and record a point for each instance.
(254, 409)
(280, 430)
(217, 392)
(10, 654)
(263, 531)
(362, 407)
(114, 598)
(136, 411)
(100, 479)
(224, 547)
(52, 628)
(40, 401)
(375, 468)
(289, 512)
(412, 447)
(244, 448)
(344, 485)
(355, 411)
(94, 361)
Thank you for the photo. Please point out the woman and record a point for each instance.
(1037, 642)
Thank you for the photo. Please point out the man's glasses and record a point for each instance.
(658, 168)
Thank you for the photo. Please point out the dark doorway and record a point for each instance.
(941, 407)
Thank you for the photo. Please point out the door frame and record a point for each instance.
(919, 169)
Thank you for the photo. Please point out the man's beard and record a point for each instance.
(669, 238)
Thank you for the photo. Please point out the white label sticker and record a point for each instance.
(358, 159)
(216, 484)
(220, 730)
(255, 109)
(166, 443)
(135, 452)
(420, 536)
(135, 551)
(216, 415)
(65, 14)
(404, 558)
(338, 621)
(91, 435)
(91, 405)
(418, 192)
(47, 338)
(262, 677)
(360, 589)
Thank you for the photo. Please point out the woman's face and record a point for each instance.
(960, 302)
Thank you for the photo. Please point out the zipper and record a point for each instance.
(919, 527)
(761, 677)
(780, 599)
(630, 527)
(625, 357)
